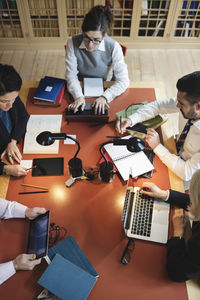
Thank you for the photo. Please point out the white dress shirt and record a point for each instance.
(118, 68)
(188, 162)
(8, 210)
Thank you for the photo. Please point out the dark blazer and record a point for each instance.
(19, 118)
(183, 261)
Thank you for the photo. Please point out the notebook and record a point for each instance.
(93, 87)
(145, 218)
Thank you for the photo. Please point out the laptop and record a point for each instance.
(145, 218)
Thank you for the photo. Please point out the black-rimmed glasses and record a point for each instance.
(126, 256)
(87, 39)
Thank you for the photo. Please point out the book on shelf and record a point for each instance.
(36, 124)
(56, 103)
(134, 163)
(49, 89)
(70, 275)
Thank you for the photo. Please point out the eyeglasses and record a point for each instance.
(56, 233)
(126, 256)
(87, 39)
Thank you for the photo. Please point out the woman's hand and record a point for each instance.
(100, 105)
(15, 170)
(152, 190)
(121, 126)
(79, 102)
(12, 152)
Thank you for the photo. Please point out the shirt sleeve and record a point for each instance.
(154, 108)
(120, 72)
(11, 209)
(183, 169)
(73, 84)
(6, 271)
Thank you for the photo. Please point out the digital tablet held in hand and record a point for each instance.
(39, 235)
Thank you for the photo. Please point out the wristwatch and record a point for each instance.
(176, 237)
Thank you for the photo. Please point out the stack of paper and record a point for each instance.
(70, 275)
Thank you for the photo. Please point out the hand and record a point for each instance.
(152, 190)
(152, 138)
(79, 102)
(99, 105)
(125, 122)
(179, 222)
(15, 170)
(32, 213)
(12, 152)
(26, 262)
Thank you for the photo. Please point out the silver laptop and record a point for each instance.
(145, 218)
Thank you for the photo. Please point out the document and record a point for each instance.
(134, 163)
(36, 124)
(93, 87)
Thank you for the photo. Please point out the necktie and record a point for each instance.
(183, 135)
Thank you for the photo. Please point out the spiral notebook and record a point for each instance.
(124, 160)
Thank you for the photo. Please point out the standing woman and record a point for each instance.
(94, 54)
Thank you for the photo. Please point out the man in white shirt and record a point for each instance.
(12, 209)
(187, 104)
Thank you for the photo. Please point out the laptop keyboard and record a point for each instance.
(142, 216)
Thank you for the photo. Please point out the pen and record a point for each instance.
(39, 192)
(35, 186)
(31, 168)
(120, 123)
(113, 136)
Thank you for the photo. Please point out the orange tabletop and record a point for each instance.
(91, 213)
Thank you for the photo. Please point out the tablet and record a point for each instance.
(48, 166)
(39, 235)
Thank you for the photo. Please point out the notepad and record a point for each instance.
(36, 124)
(93, 87)
(134, 163)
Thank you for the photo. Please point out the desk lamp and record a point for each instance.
(47, 138)
(133, 144)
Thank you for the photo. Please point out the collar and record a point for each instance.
(196, 123)
(101, 46)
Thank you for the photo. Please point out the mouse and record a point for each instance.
(135, 144)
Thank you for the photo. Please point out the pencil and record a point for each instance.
(39, 192)
(35, 186)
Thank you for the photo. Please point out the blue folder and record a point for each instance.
(49, 88)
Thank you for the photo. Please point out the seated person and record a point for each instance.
(187, 104)
(12, 209)
(94, 54)
(13, 120)
(183, 260)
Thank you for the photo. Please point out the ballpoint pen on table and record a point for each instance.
(38, 192)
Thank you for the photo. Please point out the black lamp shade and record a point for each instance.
(106, 171)
(75, 167)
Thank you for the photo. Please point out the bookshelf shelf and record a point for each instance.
(46, 24)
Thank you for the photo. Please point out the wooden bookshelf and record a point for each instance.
(46, 24)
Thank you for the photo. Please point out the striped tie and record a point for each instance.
(183, 135)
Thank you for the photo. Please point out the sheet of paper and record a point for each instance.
(69, 141)
(93, 87)
(26, 163)
(37, 124)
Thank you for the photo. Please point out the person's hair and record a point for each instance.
(190, 84)
(194, 208)
(10, 80)
(99, 18)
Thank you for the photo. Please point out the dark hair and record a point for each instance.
(10, 80)
(99, 18)
(190, 84)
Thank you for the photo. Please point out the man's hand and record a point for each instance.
(15, 170)
(152, 190)
(12, 152)
(179, 222)
(100, 105)
(32, 213)
(152, 138)
(25, 262)
(125, 122)
(79, 102)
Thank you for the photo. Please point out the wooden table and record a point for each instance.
(91, 212)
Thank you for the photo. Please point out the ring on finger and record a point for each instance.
(9, 155)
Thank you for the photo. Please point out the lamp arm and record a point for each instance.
(63, 136)
(71, 138)
(100, 149)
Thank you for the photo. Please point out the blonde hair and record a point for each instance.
(194, 208)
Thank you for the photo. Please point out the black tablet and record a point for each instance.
(48, 166)
(39, 235)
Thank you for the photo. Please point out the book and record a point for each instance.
(70, 275)
(134, 163)
(36, 124)
(56, 103)
(49, 88)
(93, 87)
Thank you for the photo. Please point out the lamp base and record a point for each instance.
(106, 172)
(75, 167)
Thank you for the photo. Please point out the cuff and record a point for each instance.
(160, 150)
(6, 271)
